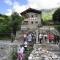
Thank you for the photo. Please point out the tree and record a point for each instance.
(56, 19)
(15, 23)
(4, 24)
(56, 16)
(4, 27)
(10, 24)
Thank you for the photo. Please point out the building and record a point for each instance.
(32, 18)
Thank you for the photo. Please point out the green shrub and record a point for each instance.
(57, 27)
(14, 56)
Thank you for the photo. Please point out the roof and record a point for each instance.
(31, 10)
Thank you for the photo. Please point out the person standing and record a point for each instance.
(20, 52)
(29, 38)
(40, 38)
(51, 37)
(25, 37)
(25, 45)
(33, 38)
(45, 38)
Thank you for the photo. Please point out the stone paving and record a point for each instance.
(3, 53)
(41, 52)
(6, 48)
(3, 49)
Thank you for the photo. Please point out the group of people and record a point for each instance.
(30, 39)
(27, 41)
(42, 37)
(48, 38)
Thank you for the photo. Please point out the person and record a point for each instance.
(59, 45)
(33, 38)
(25, 37)
(25, 45)
(51, 37)
(29, 37)
(20, 52)
(55, 39)
(40, 37)
(45, 37)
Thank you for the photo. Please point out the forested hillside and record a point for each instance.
(47, 14)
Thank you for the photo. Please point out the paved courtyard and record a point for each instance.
(45, 52)
(42, 50)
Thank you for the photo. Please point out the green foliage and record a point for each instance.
(57, 27)
(29, 50)
(8, 22)
(15, 22)
(27, 53)
(56, 16)
(47, 15)
(14, 56)
(5, 37)
(14, 53)
(4, 24)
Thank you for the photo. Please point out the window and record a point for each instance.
(25, 22)
(36, 15)
(31, 22)
(31, 15)
(34, 18)
(36, 22)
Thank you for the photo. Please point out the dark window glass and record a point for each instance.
(25, 22)
(36, 15)
(32, 22)
(31, 15)
(36, 22)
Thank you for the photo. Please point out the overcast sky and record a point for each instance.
(6, 6)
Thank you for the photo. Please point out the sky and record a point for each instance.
(8, 6)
